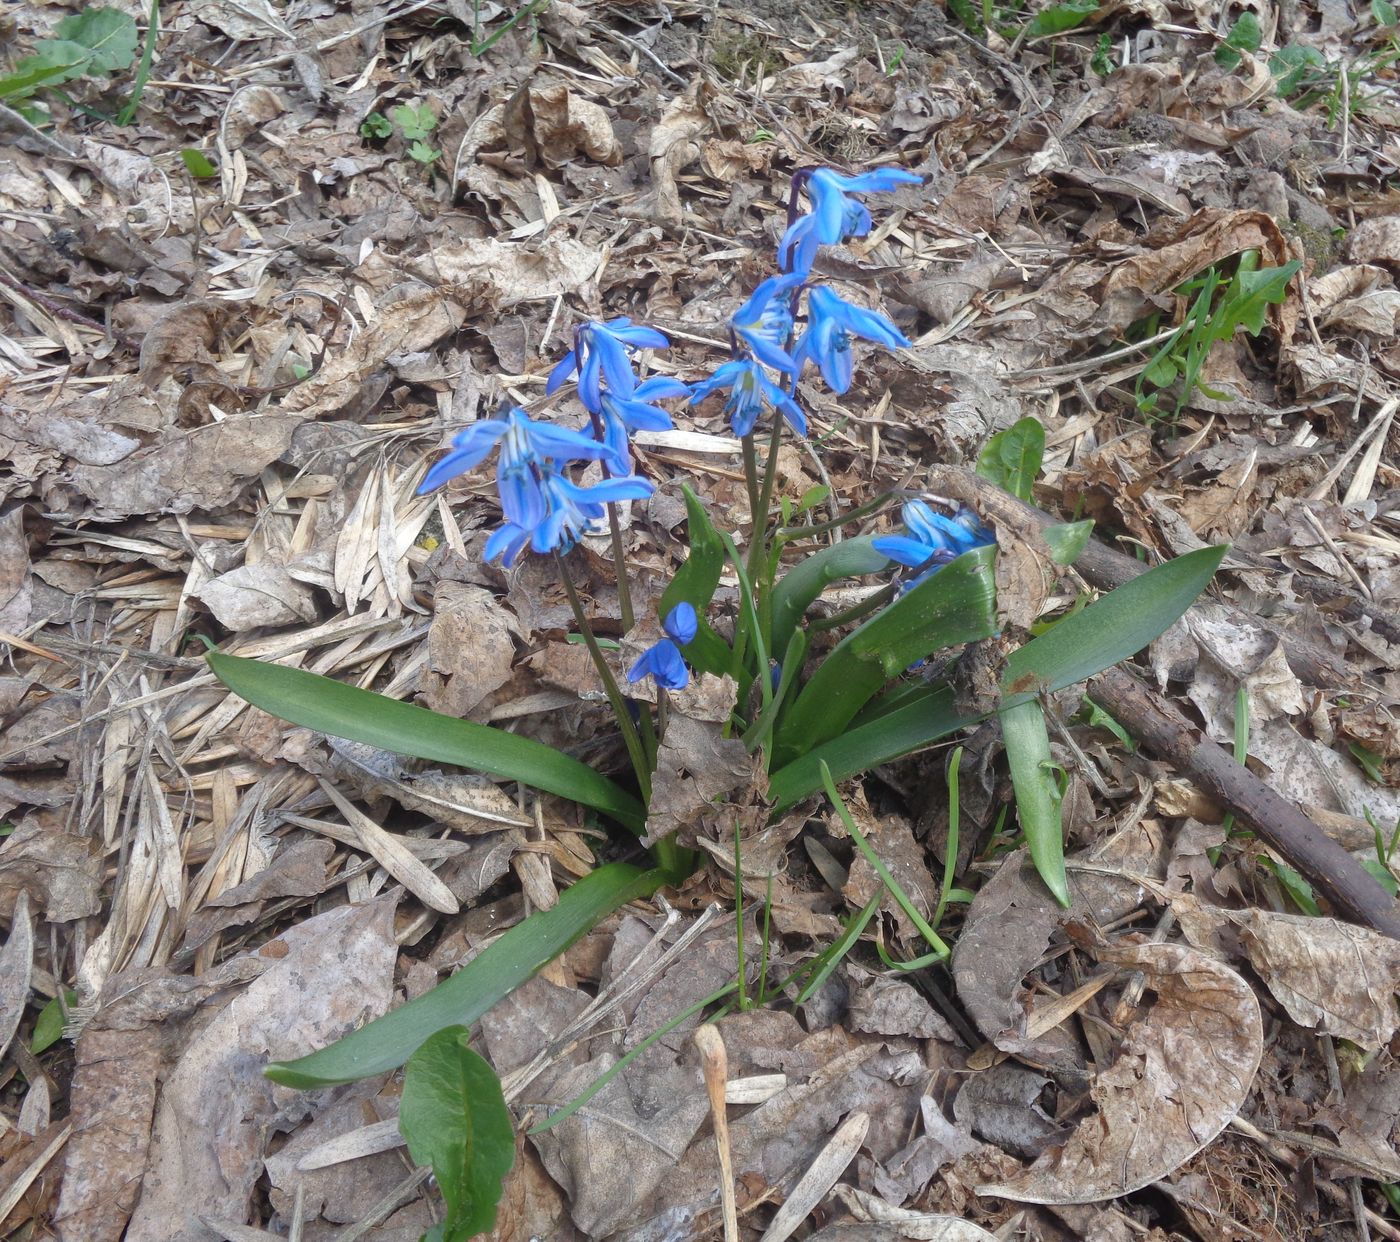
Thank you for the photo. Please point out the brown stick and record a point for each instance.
(1350, 888)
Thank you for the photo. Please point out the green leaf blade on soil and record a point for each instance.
(1037, 793)
(1012, 458)
(454, 1118)
(500, 968)
(330, 706)
(109, 35)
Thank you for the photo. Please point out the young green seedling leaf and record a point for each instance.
(454, 1118)
(1012, 457)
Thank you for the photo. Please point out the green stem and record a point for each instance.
(786, 533)
(739, 918)
(856, 611)
(624, 590)
(143, 70)
(751, 482)
(630, 737)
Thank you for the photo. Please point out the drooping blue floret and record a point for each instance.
(600, 352)
(663, 662)
(764, 322)
(831, 323)
(833, 216)
(933, 539)
(523, 442)
(557, 512)
(623, 415)
(681, 623)
(751, 394)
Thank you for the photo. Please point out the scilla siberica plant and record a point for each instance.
(815, 709)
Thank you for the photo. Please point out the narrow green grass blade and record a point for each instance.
(329, 706)
(1037, 794)
(493, 974)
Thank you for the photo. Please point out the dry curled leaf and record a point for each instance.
(1182, 1073)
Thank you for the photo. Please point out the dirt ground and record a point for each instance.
(236, 329)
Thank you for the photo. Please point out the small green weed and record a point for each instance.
(415, 124)
(1219, 306)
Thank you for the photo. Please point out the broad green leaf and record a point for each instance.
(1245, 36)
(1061, 17)
(1067, 540)
(108, 34)
(197, 164)
(1384, 13)
(415, 121)
(58, 62)
(1291, 66)
(955, 605)
(798, 589)
(500, 968)
(454, 1117)
(1112, 629)
(1037, 792)
(1383, 875)
(1251, 294)
(329, 706)
(1012, 457)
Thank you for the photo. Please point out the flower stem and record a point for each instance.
(751, 481)
(854, 613)
(628, 730)
(624, 590)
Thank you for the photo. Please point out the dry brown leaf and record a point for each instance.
(252, 596)
(1375, 241)
(16, 970)
(216, 1111)
(1183, 1071)
(471, 650)
(60, 871)
(554, 125)
(1332, 977)
(489, 274)
(675, 142)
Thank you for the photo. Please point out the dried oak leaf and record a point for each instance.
(471, 649)
(553, 125)
(1332, 977)
(1182, 1073)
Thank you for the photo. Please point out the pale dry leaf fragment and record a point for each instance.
(883, 1006)
(471, 650)
(1332, 977)
(488, 274)
(60, 871)
(252, 596)
(813, 1185)
(406, 326)
(16, 582)
(675, 143)
(917, 1226)
(1182, 1073)
(696, 768)
(216, 1111)
(1375, 241)
(565, 125)
(16, 970)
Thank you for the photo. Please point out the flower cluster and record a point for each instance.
(607, 387)
(663, 660)
(933, 539)
(543, 507)
(768, 354)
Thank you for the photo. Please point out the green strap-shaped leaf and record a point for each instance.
(454, 1116)
(799, 588)
(387, 1042)
(955, 605)
(1037, 792)
(1114, 628)
(329, 706)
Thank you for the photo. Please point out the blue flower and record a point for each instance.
(751, 392)
(833, 216)
(663, 661)
(554, 514)
(764, 322)
(933, 539)
(524, 443)
(831, 323)
(600, 352)
(623, 415)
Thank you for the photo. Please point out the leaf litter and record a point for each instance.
(215, 399)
